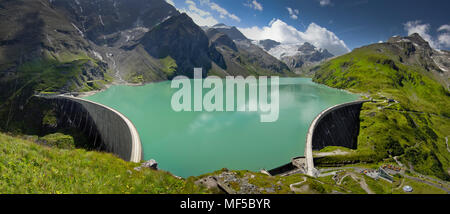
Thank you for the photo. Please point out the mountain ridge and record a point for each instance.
(300, 58)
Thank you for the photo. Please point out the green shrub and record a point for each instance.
(58, 140)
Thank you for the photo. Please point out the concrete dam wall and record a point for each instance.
(106, 128)
(336, 126)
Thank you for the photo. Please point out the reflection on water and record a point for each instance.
(193, 143)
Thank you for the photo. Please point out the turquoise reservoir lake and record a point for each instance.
(194, 143)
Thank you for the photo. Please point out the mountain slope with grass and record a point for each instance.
(29, 166)
(410, 115)
(26, 167)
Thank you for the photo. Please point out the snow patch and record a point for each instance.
(439, 65)
(222, 27)
(404, 40)
(165, 19)
(285, 50)
(76, 28)
(101, 20)
(98, 55)
(49, 40)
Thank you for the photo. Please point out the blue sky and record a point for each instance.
(340, 25)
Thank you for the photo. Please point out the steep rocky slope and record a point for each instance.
(41, 51)
(230, 31)
(241, 56)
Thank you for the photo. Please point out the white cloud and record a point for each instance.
(203, 17)
(200, 17)
(280, 31)
(293, 13)
(444, 28)
(324, 3)
(254, 5)
(442, 40)
(171, 2)
(222, 11)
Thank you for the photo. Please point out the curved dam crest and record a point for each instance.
(335, 126)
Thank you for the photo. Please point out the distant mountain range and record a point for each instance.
(241, 55)
(300, 58)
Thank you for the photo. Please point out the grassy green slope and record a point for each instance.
(414, 129)
(26, 167)
(381, 73)
(30, 167)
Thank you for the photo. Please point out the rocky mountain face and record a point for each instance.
(268, 44)
(42, 50)
(99, 20)
(230, 31)
(241, 56)
(415, 51)
(299, 57)
(185, 42)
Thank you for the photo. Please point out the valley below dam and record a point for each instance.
(194, 143)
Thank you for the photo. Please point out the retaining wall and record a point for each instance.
(107, 129)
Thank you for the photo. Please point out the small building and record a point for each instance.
(391, 169)
(383, 174)
(407, 189)
(371, 173)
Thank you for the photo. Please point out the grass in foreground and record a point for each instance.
(26, 167)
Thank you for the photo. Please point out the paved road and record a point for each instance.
(295, 189)
(441, 184)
